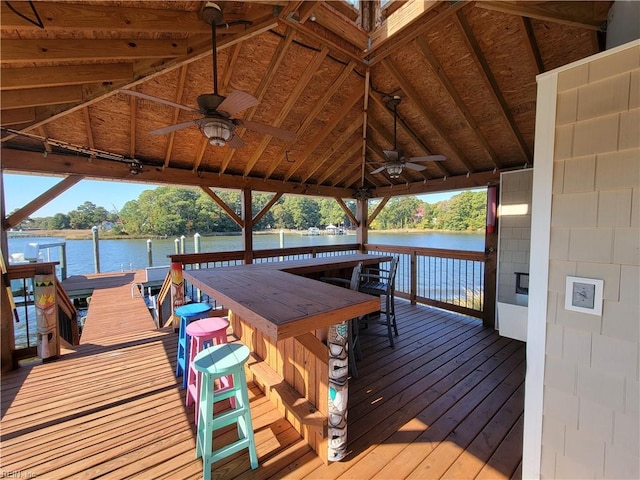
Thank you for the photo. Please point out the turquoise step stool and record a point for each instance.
(214, 363)
(187, 314)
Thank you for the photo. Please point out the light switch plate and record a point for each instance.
(584, 295)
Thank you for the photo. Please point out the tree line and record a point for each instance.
(169, 210)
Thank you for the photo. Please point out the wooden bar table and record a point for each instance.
(287, 319)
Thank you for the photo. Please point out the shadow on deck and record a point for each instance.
(446, 402)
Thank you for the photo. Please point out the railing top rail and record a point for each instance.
(26, 270)
(428, 252)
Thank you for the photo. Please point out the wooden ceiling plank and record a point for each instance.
(45, 50)
(132, 125)
(17, 116)
(339, 162)
(415, 98)
(317, 108)
(34, 205)
(349, 174)
(437, 69)
(382, 47)
(33, 162)
(154, 69)
(336, 146)
(483, 66)
(266, 208)
(292, 99)
(348, 211)
(276, 59)
(176, 113)
(531, 44)
(223, 205)
(91, 17)
(39, 77)
(322, 134)
(575, 14)
(35, 97)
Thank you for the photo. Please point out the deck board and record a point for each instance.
(447, 402)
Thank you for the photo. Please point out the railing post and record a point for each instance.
(182, 237)
(414, 277)
(149, 252)
(196, 248)
(177, 287)
(63, 261)
(176, 245)
(96, 250)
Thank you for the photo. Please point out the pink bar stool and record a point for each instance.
(204, 333)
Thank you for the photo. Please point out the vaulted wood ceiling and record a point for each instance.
(465, 72)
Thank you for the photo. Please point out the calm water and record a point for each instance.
(118, 255)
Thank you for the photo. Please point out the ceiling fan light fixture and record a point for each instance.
(217, 131)
(394, 169)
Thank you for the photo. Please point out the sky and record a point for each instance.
(22, 189)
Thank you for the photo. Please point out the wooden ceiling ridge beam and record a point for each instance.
(484, 68)
(575, 14)
(223, 205)
(408, 130)
(56, 164)
(41, 77)
(317, 108)
(276, 59)
(415, 98)
(257, 217)
(335, 146)
(182, 77)
(347, 211)
(34, 205)
(292, 99)
(328, 128)
(154, 70)
(446, 83)
(91, 17)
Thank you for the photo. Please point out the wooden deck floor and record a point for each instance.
(447, 402)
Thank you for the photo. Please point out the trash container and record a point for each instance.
(48, 343)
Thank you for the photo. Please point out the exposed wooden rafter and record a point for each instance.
(42, 77)
(176, 113)
(531, 45)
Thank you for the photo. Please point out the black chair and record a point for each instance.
(381, 282)
(354, 351)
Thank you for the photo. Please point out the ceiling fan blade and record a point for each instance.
(237, 101)
(429, 158)
(236, 142)
(158, 100)
(414, 166)
(392, 155)
(281, 133)
(378, 170)
(172, 128)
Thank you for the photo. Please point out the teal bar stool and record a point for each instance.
(214, 363)
(187, 314)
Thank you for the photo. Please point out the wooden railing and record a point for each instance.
(451, 279)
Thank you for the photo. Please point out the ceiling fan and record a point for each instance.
(396, 162)
(218, 124)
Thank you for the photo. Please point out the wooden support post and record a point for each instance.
(247, 229)
(44, 294)
(96, 249)
(149, 252)
(177, 288)
(362, 212)
(491, 262)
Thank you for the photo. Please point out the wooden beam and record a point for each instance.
(292, 99)
(55, 164)
(348, 212)
(87, 126)
(276, 59)
(531, 44)
(39, 77)
(437, 69)
(176, 112)
(576, 14)
(378, 209)
(223, 205)
(39, 202)
(347, 154)
(267, 207)
(17, 116)
(247, 228)
(345, 29)
(494, 89)
(55, 50)
(317, 108)
(132, 127)
(36, 97)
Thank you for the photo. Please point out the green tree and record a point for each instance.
(465, 211)
(87, 215)
(59, 221)
(331, 212)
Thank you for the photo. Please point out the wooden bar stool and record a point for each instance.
(187, 313)
(203, 334)
(214, 363)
